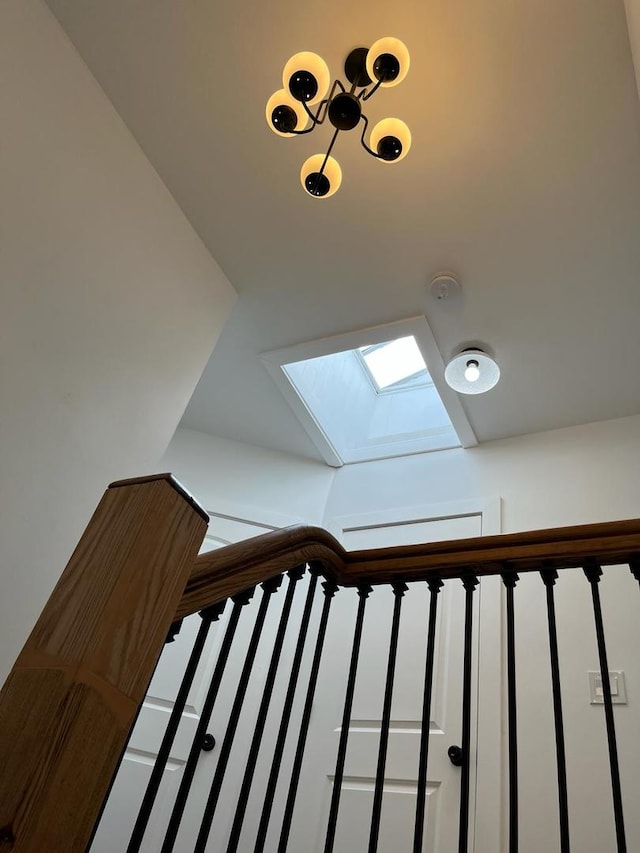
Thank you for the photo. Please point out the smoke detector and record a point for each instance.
(444, 286)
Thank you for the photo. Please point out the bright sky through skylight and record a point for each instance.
(394, 361)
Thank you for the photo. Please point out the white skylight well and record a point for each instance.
(370, 395)
(395, 364)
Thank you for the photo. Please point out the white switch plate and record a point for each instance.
(618, 688)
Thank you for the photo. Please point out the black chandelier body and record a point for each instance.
(307, 84)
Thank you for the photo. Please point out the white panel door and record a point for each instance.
(399, 801)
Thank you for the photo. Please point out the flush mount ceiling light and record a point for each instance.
(472, 372)
(306, 80)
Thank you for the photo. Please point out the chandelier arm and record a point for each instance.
(366, 95)
(329, 149)
(324, 103)
(314, 118)
(302, 132)
(363, 143)
(324, 162)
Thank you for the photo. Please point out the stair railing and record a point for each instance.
(70, 702)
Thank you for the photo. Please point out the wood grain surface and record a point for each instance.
(73, 695)
(221, 573)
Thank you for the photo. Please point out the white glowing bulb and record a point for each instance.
(472, 371)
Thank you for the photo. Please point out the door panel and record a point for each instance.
(398, 813)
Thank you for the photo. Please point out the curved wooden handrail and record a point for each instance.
(229, 570)
(226, 571)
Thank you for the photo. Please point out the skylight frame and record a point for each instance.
(275, 363)
(420, 379)
(410, 380)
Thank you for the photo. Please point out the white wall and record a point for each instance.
(110, 308)
(570, 476)
(577, 475)
(228, 477)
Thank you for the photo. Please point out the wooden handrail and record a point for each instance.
(219, 574)
(224, 572)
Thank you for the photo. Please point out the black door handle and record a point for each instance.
(455, 755)
(208, 743)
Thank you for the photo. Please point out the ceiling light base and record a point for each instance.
(345, 111)
(355, 67)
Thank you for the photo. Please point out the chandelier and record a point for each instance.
(306, 80)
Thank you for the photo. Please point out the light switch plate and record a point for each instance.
(618, 687)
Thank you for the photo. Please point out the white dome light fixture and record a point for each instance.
(472, 372)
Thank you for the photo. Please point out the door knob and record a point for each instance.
(208, 743)
(455, 755)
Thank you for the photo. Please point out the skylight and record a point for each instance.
(369, 394)
(392, 363)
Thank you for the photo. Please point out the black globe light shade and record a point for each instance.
(389, 148)
(306, 77)
(303, 86)
(321, 176)
(317, 184)
(391, 139)
(388, 61)
(285, 116)
(307, 84)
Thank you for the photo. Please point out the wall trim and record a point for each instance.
(257, 516)
(489, 510)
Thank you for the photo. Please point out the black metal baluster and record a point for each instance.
(510, 580)
(399, 590)
(239, 601)
(593, 572)
(549, 577)
(435, 585)
(363, 593)
(268, 588)
(634, 565)
(174, 630)
(209, 615)
(469, 582)
(243, 797)
(286, 714)
(330, 588)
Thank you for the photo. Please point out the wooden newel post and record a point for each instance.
(70, 701)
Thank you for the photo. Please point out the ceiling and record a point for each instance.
(523, 179)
